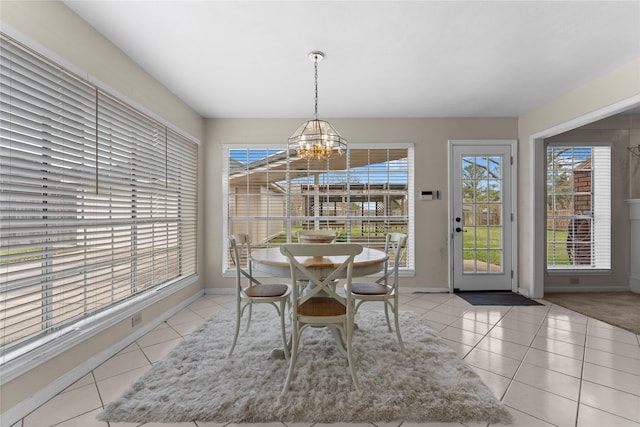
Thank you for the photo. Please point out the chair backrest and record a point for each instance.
(317, 236)
(240, 244)
(299, 253)
(394, 246)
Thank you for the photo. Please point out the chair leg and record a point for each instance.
(283, 305)
(386, 313)
(249, 319)
(235, 336)
(397, 325)
(292, 357)
(357, 306)
(352, 365)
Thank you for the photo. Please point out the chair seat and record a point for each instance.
(267, 290)
(370, 288)
(322, 306)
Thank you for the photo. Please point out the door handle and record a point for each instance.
(458, 229)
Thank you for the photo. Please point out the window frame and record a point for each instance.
(408, 270)
(180, 170)
(601, 211)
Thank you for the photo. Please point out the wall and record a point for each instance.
(634, 160)
(54, 30)
(605, 96)
(430, 136)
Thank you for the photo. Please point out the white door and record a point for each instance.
(481, 215)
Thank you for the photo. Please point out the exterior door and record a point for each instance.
(481, 215)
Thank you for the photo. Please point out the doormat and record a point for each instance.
(495, 298)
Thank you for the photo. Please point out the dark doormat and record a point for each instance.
(495, 298)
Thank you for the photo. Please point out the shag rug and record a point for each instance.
(197, 382)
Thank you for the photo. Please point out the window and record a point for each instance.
(363, 194)
(98, 201)
(578, 207)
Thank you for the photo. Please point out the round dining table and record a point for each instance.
(271, 262)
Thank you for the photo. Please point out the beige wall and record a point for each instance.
(634, 160)
(430, 136)
(600, 98)
(52, 29)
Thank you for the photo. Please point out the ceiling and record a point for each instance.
(247, 59)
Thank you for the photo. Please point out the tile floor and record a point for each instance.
(549, 365)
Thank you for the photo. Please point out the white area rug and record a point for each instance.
(196, 381)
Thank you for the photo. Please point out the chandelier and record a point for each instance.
(316, 139)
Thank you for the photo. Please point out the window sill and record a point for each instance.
(231, 273)
(20, 361)
(578, 272)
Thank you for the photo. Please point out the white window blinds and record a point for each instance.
(602, 207)
(578, 207)
(98, 200)
(363, 194)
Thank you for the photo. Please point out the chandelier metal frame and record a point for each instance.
(316, 139)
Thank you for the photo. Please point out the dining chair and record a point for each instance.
(319, 304)
(385, 288)
(317, 236)
(251, 291)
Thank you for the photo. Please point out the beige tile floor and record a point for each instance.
(550, 366)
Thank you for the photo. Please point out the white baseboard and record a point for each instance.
(425, 290)
(634, 284)
(219, 291)
(574, 288)
(524, 292)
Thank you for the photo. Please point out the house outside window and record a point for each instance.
(578, 207)
(363, 194)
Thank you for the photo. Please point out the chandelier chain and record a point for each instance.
(315, 63)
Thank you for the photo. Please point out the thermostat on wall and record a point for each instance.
(430, 195)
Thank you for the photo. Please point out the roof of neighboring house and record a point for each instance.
(277, 165)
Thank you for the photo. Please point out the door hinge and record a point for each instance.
(512, 274)
(512, 160)
(511, 217)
